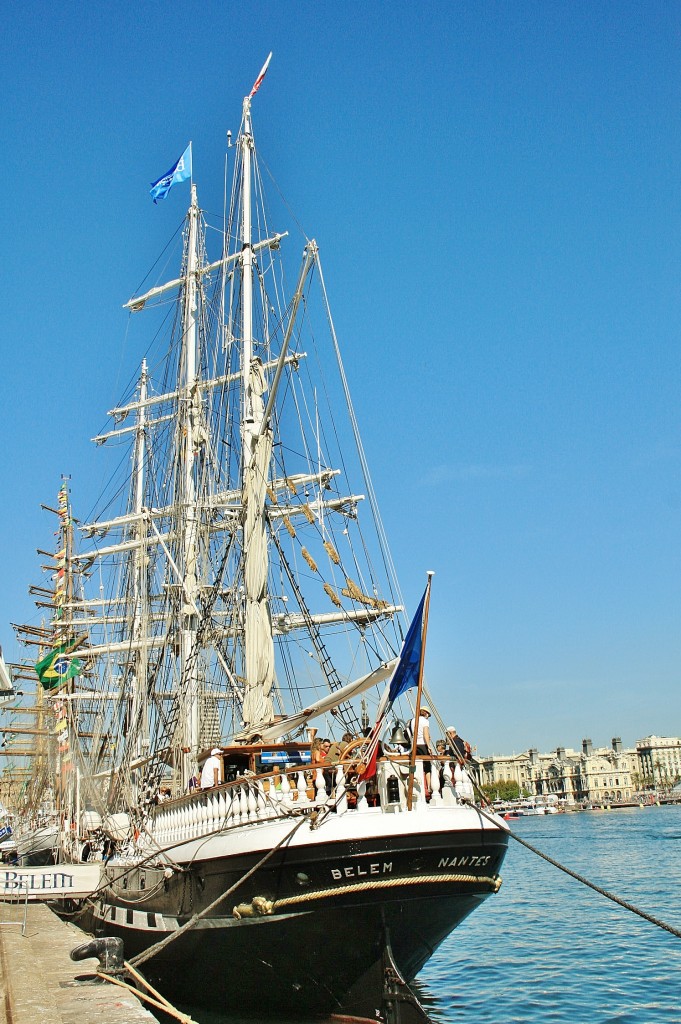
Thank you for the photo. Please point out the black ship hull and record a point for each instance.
(306, 933)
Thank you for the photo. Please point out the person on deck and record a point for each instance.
(316, 755)
(461, 750)
(333, 752)
(210, 775)
(346, 739)
(441, 754)
(458, 745)
(423, 745)
(330, 756)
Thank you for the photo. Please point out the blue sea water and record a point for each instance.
(547, 950)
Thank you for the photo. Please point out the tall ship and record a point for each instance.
(231, 602)
(29, 741)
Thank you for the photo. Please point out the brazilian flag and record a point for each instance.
(56, 667)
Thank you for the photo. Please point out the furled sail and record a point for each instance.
(259, 647)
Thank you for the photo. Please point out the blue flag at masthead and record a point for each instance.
(180, 171)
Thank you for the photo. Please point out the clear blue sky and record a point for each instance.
(496, 190)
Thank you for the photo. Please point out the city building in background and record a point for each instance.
(659, 760)
(592, 775)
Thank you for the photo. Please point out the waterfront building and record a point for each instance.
(601, 775)
(659, 760)
(605, 774)
(506, 768)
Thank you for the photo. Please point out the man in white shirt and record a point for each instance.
(210, 775)
(423, 745)
(461, 750)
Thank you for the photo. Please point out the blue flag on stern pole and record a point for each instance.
(178, 172)
(406, 674)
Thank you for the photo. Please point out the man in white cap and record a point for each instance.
(462, 756)
(212, 769)
(457, 744)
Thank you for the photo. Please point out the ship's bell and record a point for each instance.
(398, 737)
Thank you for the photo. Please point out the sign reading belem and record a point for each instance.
(51, 882)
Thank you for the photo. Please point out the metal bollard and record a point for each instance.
(109, 952)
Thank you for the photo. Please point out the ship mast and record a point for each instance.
(189, 662)
(247, 286)
(256, 453)
(140, 713)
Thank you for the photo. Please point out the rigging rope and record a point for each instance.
(580, 878)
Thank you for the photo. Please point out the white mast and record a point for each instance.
(256, 453)
(139, 710)
(189, 662)
(247, 284)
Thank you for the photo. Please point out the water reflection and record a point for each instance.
(421, 991)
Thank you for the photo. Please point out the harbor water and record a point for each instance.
(548, 950)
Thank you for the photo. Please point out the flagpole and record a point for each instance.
(419, 691)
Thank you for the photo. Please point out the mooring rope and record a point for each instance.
(585, 881)
(161, 1003)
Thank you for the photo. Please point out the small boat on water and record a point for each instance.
(228, 594)
(532, 807)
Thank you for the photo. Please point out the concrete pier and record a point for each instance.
(37, 975)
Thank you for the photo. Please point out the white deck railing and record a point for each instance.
(265, 797)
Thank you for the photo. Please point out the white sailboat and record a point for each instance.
(234, 586)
